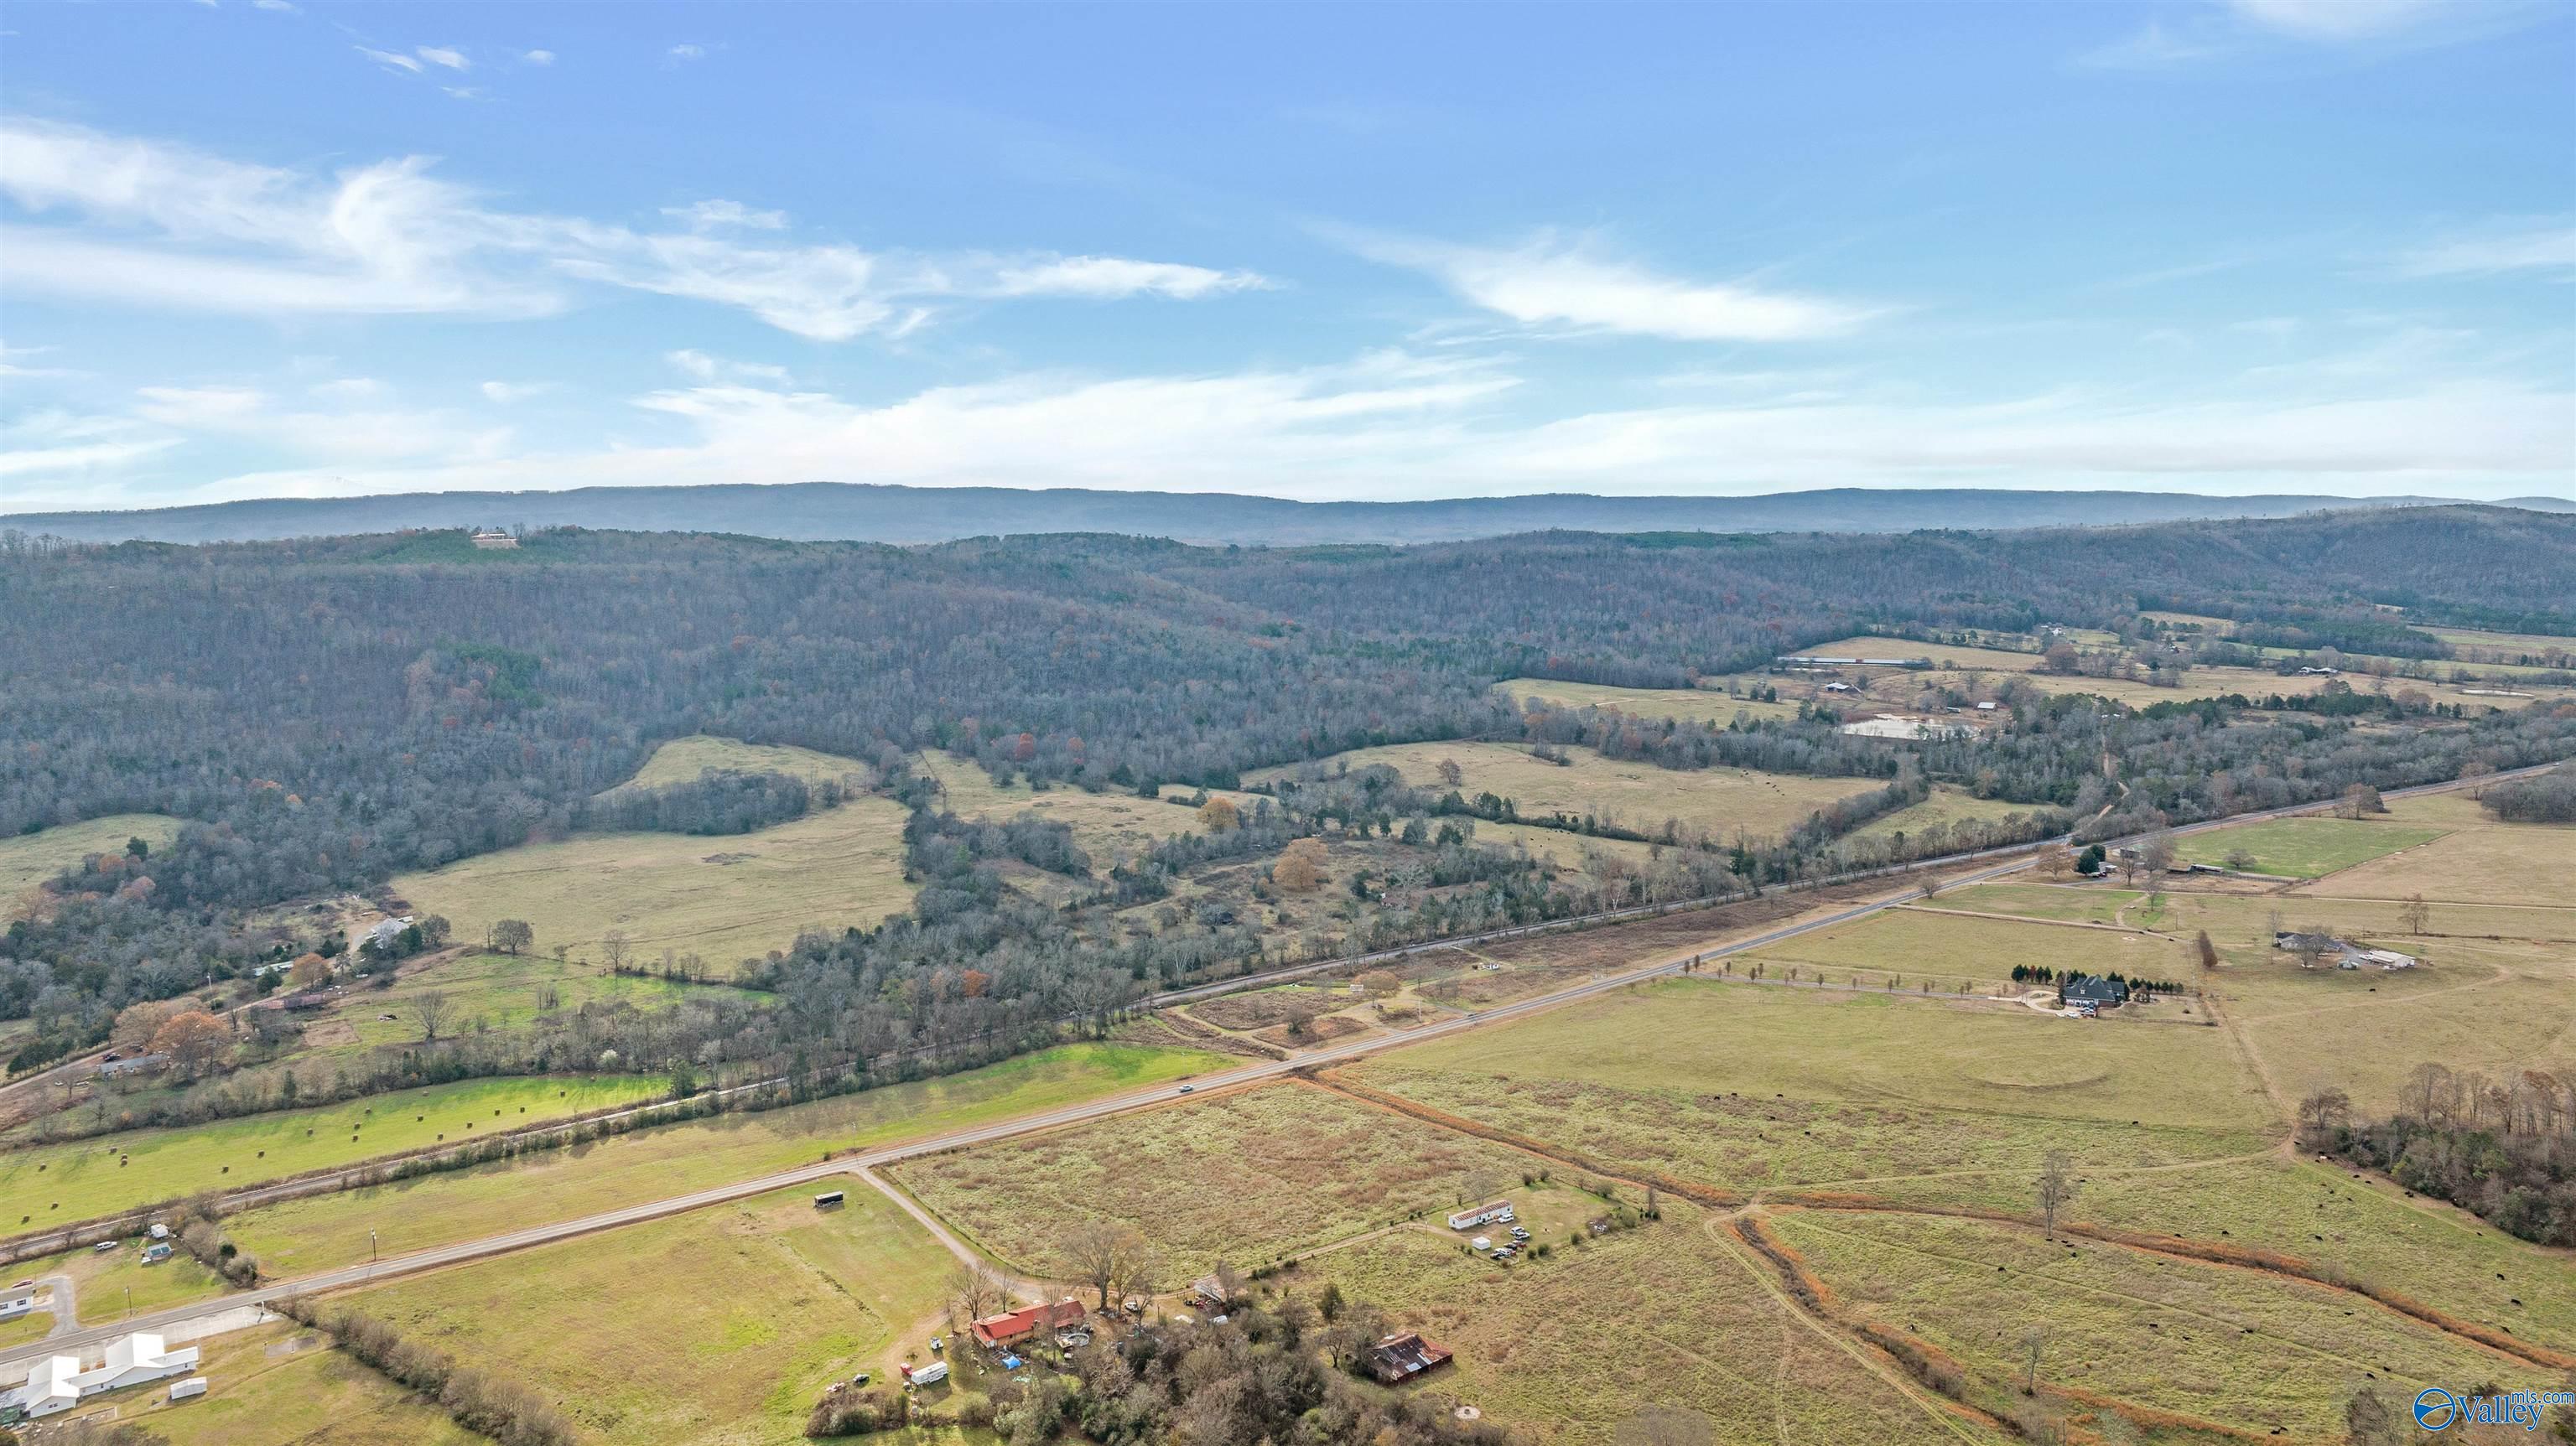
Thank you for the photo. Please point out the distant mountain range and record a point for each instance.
(840, 510)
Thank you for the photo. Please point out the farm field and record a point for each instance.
(2071, 903)
(1945, 806)
(30, 859)
(1299, 1166)
(499, 991)
(1947, 948)
(720, 1326)
(1720, 802)
(2304, 848)
(721, 898)
(1691, 705)
(80, 1179)
(2480, 860)
(1700, 1035)
(282, 1385)
(2541, 643)
(1566, 1347)
(1563, 849)
(303, 1236)
(2225, 1346)
(682, 759)
(1104, 824)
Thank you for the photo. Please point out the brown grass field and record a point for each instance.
(1246, 1177)
(32, 858)
(2479, 861)
(1106, 825)
(721, 898)
(1693, 705)
(281, 1385)
(682, 759)
(1724, 803)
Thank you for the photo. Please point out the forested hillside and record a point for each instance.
(329, 713)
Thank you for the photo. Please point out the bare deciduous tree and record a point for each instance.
(2415, 916)
(975, 1290)
(1100, 1253)
(2056, 1188)
(430, 1008)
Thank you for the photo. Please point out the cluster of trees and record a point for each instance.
(479, 1401)
(717, 801)
(2545, 798)
(2503, 1148)
(1287, 1370)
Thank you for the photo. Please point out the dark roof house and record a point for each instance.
(1402, 1357)
(2091, 989)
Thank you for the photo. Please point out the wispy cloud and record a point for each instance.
(2528, 245)
(1552, 280)
(707, 368)
(138, 221)
(508, 393)
(443, 55)
(2244, 27)
(282, 7)
(681, 54)
(708, 215)
(536, 57)
(390, 59)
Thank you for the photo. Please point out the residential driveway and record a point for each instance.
(66, 1304)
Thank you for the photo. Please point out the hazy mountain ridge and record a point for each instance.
(816, 511)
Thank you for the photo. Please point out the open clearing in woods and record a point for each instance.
(1691, 705)
(79, 1179)
(682, 759)
(1105, 825)
(1245, 1177)
(1566, 1347)
(501, 991)
(719, 1326)
(283, 1385)
(1945, 948)
(1946, 806)
(325, 1231)
(31, 859)
(2235, 1347)
(721, 897)
(1721, 802)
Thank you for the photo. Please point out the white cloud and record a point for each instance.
(143, 222)
(282, 7)
(447, 56)
(70, 447)
(687, 52)
(2341, 20)
(1112, 276)
(506, 393)
(536, 57)
(707, 368)
(1550, 281)
(1397, 425)
(330, 434)
(2503, 247)
(390, 59)
(348, 389)
(707, 215)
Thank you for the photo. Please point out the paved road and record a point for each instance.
(13, 1365)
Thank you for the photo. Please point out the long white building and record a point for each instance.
(59, 1383)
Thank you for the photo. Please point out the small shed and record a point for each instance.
(1403, 1356)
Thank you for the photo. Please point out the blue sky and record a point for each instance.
(261, 248)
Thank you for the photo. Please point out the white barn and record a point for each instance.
(58, 1382)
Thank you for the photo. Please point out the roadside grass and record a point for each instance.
(1248, 1178)
(79, 1179)
(2073, 903)
(301, 1237)
(681, 760)
(1723, 802)
(2234, 1347)
(2357, 1231)
(1745, 1142)
(1566, 1347)
(29, 859)
(282, 1385)
(100, 1282)
(1945, 806)
(2479, 861)
(26, 1329)
(2304, 848)
(1693, 705)
(722, 1325)
(1103, 824)
(498, 991)
(1947, 948)
(1705, 1036)
(720, 897)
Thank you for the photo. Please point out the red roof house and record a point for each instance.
(1018, 1325)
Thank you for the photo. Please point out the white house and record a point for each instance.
(17, 1303)
(58, 1382)
(1481, 1215)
